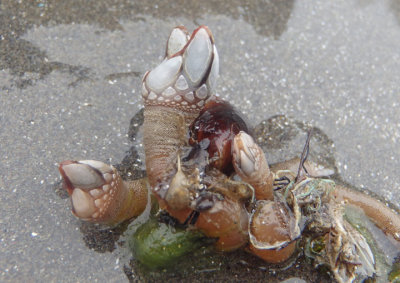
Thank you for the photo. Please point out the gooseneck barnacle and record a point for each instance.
(98, 193)
(174, 93)
(251, 165)
(206, 170)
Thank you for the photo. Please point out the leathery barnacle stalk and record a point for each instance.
(98, 193)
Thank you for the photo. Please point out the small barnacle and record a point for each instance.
(178, 195)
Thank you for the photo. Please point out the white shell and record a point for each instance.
(82, 203)
(212, 78)
(245, 154)
(164, 74)
(96, 193)
(181, 83)
(169, 91)
(108, 177)
(246, 164)
(101, 166)
(152, 96)
(99, 202)
(198, 56)
(202, 92)
(189, 96)
(106, 188)
(176, 41)
(83, 176)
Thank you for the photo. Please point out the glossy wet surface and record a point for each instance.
(70, 83)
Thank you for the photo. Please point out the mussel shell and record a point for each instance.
(218, 123)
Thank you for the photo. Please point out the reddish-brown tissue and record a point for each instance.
(215, 127)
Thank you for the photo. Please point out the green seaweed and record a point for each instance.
(158, 245)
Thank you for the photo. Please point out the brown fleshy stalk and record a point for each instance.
(98, 193)
(386, 218)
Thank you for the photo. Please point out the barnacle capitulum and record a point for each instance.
(98, 193)
(251, 165)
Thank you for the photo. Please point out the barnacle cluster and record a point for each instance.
(207, 172)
